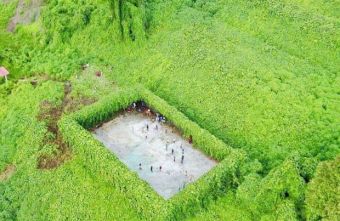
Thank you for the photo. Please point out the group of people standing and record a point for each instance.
(141, 107)
(152, 168)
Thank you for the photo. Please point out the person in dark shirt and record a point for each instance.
(190, 139)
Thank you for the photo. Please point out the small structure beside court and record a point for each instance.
(4, 72)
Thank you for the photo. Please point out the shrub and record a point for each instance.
(322, 196)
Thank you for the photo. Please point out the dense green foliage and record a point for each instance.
(276, 197)
(323, 192)
(259, 76)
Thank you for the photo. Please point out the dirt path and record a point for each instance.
(7, 173)
(51, 115)
(7, 1)
(25, 13)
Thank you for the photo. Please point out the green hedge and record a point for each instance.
(104, 164)
(104, 110)
(202, 139)
(148, 203)
(212, 185)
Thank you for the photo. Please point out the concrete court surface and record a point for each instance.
(128, 137)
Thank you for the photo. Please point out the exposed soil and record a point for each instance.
(7, 173)
(75, 104)
(7, 1)
(26, 13)
(51, 114)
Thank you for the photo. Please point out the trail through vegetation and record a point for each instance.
(26, 12)
(7, 173)
(51, 115)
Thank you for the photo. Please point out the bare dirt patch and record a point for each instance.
(27, 11)
(7, 1)
(51, 114)
(75, 104)
(62, 154)
(7, 173)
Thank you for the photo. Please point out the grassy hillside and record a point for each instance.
(263, 76)
(245, 89)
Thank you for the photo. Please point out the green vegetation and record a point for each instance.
(256, 83)
(19, 111)
(322, 197)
